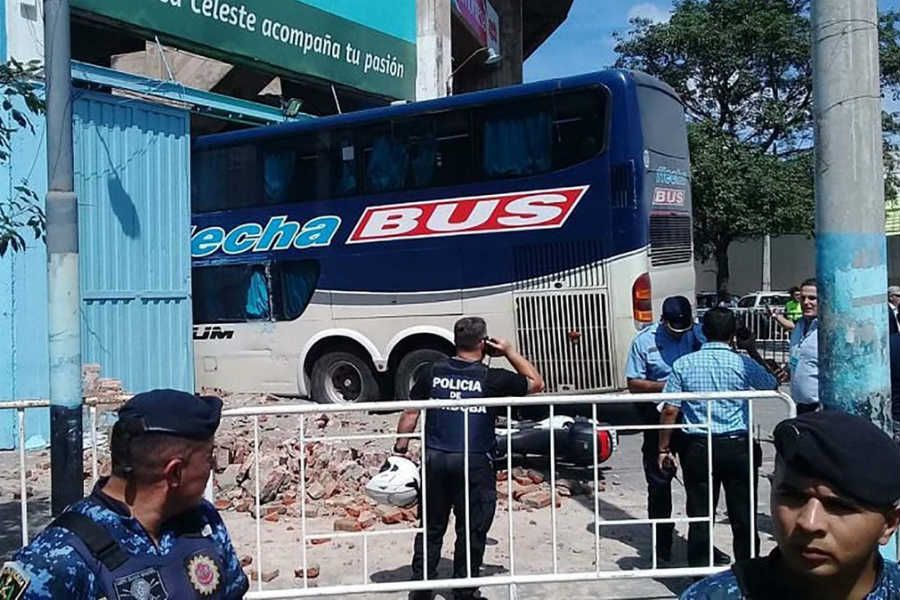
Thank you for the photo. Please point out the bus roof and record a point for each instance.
(610, 76)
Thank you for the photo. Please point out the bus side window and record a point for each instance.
(230, 294)
(385, 161)
(454, 152)
(290, 171)
(296, 284)
(578, 128)
(517, 141)
(341, 153)
(224, 178)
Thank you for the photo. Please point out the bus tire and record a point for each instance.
(342, 378)
(408, 367)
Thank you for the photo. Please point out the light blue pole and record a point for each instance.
(854, 361)
(66, 468)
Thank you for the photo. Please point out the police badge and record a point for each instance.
(143, 585)
(204, 574)
(13, 581)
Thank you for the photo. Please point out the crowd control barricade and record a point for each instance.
(514, 575)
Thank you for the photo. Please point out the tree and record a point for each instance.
(22, 209)
(743, 69)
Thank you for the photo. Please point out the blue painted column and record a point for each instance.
(851, 250)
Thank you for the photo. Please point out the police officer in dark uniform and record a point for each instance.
(834, 501)
(463, 376)
(145, 533)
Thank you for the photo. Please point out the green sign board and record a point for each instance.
(353, 45)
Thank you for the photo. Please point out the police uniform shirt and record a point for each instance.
(769, 584)
(654, 350)
(457, 378)
(54, 569)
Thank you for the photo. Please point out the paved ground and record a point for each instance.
(341, 561)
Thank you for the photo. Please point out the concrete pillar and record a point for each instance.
(433, 47)
(24, 30)
(478, 76)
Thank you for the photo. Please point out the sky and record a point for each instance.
(585, 41)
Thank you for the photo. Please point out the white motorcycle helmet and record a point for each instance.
(397, 484)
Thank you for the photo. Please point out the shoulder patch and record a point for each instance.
(13, 581)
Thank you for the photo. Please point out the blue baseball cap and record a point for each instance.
(677, 313)
(174, 412)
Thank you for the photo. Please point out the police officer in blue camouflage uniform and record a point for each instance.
(463, 376)
(834, 501)
(145, 533)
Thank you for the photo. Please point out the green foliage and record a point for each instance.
(22, 210)
(743, 69)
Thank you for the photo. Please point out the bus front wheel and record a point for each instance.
(409, 368)
(343, 378)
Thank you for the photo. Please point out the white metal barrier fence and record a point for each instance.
(515, 576)
(772, 340)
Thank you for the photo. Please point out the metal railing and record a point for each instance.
(772, 340)
(514, 575)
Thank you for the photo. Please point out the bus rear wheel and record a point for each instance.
(342, 378)
(410, 366)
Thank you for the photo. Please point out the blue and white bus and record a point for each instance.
(332, 256)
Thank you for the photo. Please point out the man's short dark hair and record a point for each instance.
(793, 289)
(719, 324)
(468, 333)
(142, 456)
(809, 282)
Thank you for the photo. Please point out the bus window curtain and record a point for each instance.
(278, 169)
(298, 283)
(422, 161)
(517, 145)
(257, 296)
(387, 165)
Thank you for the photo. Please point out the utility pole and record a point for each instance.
(434, 48)
(66, 462)
(767, 263)
(850, 243)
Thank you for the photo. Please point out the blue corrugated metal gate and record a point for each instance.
(132, 172)
(133, 184)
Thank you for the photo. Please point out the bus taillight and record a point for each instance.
(641, 301)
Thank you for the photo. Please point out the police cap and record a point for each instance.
(846, 451)
(174, 412)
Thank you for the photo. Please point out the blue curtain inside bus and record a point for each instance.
(298, 283)
(517, 144)
(386, 169)
(278, 171)
(257, 306)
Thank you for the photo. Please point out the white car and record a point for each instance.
(763, 299)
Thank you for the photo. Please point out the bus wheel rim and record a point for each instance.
(344, 383)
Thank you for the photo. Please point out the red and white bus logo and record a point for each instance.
(518, 211)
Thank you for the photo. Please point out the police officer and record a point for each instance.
(144, 533)
(463, 376)
(653, 351)
(834, 500)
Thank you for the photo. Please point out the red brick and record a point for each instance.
(271, 517)
(409, 514)
(539, 499)
(354, 510)
(347, 525)
(223, 504)
(522, 490)
(393, 517)
(367, 519)
(312, 571)
(319, 541)
(502, 475)
(523, 479)
(535, 476)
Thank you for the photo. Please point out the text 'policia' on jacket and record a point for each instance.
(444, 427)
